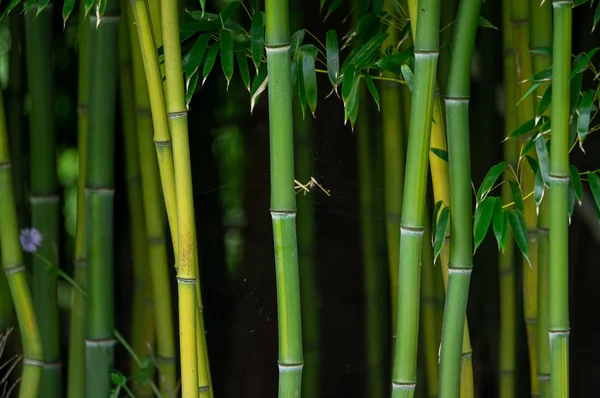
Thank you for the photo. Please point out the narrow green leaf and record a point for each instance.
(584, 110)
(545, 101)
(440, 232)
(295, 42)
(408, 76)
(529, 144)
(191, 85)
(364, 54)
(571, 199)
(440, 153)
(301, 88)
(242, 62)
(542, 76)
(347, 80)
(310, 80)
(483, 217)
(209, 60)
(542, 50)
(371, 87)
(576, 85)
(393, 62)
(517, 195)
(258, 85)
(257, 38)
(534, 86)
(351, 109)
(434, 219)
(498, 221)
(68, 6)
(595, 188)
(335, 5)
(543, 157)
(87, 5)
(538, 188)
(576, 182)
(484, 23)
(228, 11)
(532, 163)
(523, 129)
(519, 228)
(583, 63)
(196, 54)
(490, 180)
(596, 17)
(333, 57)
(227, 54)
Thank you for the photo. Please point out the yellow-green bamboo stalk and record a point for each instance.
(14, 269)
(525, 112)
(190, 298)
(506, 268)
(154, 213)
(143, 319)
(76, 365)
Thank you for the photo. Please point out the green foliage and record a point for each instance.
(440, 229)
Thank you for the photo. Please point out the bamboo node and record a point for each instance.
(554, 179)
(13, 270)
(459, 270)
(82, 110)
(543, 376)
(44, 199)
(393, 216)
(543, 230)
(186, 281)
(156, 241)
(203, 388)
(460, 100)
(143, 111)
(412, 230)
(290, 367)
(100, 343)
(277, 47)
(80, 263)
(162, 359)
(466, 355)
(396, 385)
(33, 362)
(162, 143)
(176, 115)
(560, 3)
(5, 165)
(52, 365)
(531, 321)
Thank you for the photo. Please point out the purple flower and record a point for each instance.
(31, 239)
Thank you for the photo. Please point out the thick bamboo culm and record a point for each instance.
(99, 200)
(558, 319)
(154, 221)
(44, 198)
(77, 328)
(14, 269)
(143, 319)
(404, 374)
(461, 245)
(541, 37)
(525, 112)
(506, 266)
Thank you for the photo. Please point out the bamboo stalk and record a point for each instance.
(99, 201)
(541, 37)
(76, 364)
(525, 112)
(506, 270)
(461, 246)
(44, 196)
(143, 320)
(154, 221)
(558, 319)
(404, 375)
(197, 376)
(14, 269)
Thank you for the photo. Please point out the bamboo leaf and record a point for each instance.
(87, 6)
(227, 12)
(571, 199)
(295, 42)
(530, 91)
(545, 101)
(242, 62)
(538, 188)
(576, 183)
(440, 232)
(584, 111)
(483, 218)
(204, 20)
(489, 180)
(209, 60)
(364, 54)
(227, 54)
(333, 7)
(347, 80)
(532, 163)
(309, 77)
(542, 76)
(301, 88)
(393, 62)
(257, 38)
(203, 5)
(68, 6)
(440, 153)
(333, 57)
(434, 219)
(258, 85)
(408, 76)
(523, 129)
(9, 8)
(542, 50)
(576, 85)
(594, 182)
(528, 145)
(351, 110)
(596, 17)
(372, 88)
(543, 158)
(191, 85)
(484, 23)
(500, 225)
(583, 63)
(517, 195)
(195, 55)
(519, 228)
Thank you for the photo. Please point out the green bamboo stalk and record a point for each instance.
(14, 269)
(283, 200)
(558, 319)
(448, 16)
(143, 319)
(196, 377)
(44, 196)
(76, 364)
(507, 348)
(541, 37)
(394, 156)
(373, 269)
(461, 246)
(525, 112)
(99, 200)
(155, 224)
(404, 376)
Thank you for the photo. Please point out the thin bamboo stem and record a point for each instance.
(461, 246)
(558, 320)
(44, 197)
(76, 364)
(404, 374)
(14, 269)
(99, 200)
